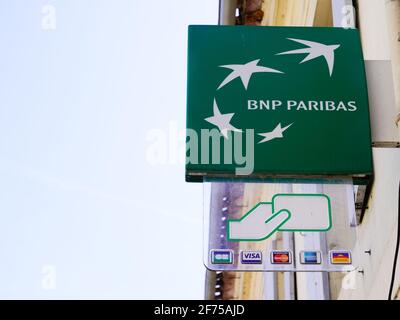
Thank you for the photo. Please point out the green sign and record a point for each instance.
(276, 102)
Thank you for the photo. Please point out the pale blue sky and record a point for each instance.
(77, 192)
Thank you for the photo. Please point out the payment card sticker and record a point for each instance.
(281, 257)
(251, 257)
(221, 256)
(310, 257)
(340, 257)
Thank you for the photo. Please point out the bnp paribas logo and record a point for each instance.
(247, 71)
(273, 101)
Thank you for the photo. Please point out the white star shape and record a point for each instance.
(222, 121)
(277, 133)
(244, 72)
(315, 50)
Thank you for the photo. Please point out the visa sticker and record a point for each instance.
(251, 257)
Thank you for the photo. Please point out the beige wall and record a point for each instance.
(379, 22)
(378, 231)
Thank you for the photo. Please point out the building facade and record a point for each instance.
(377, 230)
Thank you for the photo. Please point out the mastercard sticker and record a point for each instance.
(281, 257)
